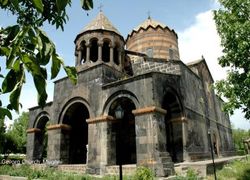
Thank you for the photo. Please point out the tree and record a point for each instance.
(2, 137)
(17, 133)
(27, 48)
(238, 136)
(233, 26)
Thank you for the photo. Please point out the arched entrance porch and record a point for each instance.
(123, 137)
(75, 141)
(174, 125)
(41, 138)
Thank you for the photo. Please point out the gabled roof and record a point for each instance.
(198, 62)
(101, 22)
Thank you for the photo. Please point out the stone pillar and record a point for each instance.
(184, 121)
(98, 144)
(58, 149)
(88, 52)
(79, 57)
(151, 141)
(120, 58)
(100, 44)
(31, 144)
(111, 52)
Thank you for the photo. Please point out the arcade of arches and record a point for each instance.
(98, 51)
(167, 106)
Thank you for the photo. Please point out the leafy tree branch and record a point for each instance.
(27, 48)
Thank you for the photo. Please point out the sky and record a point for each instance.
(192, 20)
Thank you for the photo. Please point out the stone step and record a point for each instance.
(164, 154)
(166, 159)
(168, 171)
(168, 164)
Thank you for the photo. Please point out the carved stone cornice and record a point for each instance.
(150, 109)
(59, 126)
(101, 119)
(33, 130)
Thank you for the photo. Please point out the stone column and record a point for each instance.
(100, 44)
(88, 52)
(111, 57)
(151, 140)
(31, 144)
(98, 134)
(184, 121)
(120, 58)
(79, 56)
(58, 149)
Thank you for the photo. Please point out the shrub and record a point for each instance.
(143, 173)
(190, 175)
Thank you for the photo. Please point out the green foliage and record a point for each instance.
(233, 24)
(143, 173)
(238, 136)
(239, 169)
(2, 137)
(27, 48)
(17, 133)
(191, 174)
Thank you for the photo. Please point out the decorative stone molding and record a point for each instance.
(33, 130)
(147, 161)
(59, 126)
(147, 110)
(100, 119)
(178, 120)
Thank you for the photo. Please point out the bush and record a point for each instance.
(143, 173)
(241, 152)
(190, 175)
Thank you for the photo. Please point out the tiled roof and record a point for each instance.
(100, 22)
(149, 22)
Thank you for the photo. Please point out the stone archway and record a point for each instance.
(75, 141)
(123, 138)
(174, 125)
(41, 138)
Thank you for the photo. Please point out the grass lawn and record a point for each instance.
(141, 173)
(238, 170)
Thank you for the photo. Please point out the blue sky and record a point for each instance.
(191, 19)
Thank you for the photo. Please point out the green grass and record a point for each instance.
(141, 173)
(238, 170)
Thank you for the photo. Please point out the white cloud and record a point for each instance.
(199, 39)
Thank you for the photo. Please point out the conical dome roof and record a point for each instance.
(101, 22)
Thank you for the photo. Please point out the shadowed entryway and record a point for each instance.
(123, 138)
(76, 140)
(173, 126)
(41, 139)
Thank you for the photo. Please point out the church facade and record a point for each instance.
(135, 102)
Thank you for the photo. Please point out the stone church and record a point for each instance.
(135, 103)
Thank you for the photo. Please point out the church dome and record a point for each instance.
(101, 22)
(149, 22)
(154, 39)
(99, 42)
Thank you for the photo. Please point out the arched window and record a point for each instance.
(83, 52)
(94, 50)
(116, 55)
(106, 51)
